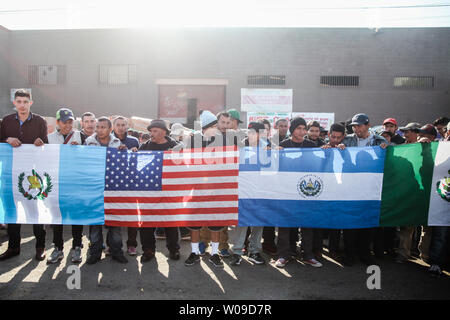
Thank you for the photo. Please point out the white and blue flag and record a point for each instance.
(316, 188)
(52, 184)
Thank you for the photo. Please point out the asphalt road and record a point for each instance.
(23, 277)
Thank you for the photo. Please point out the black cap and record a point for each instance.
(359, 118)
(413, 126)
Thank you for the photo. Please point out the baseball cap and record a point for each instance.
(235, 114)
(429, 129)
(388, 132)
(257, 126)
(64, 114)
(411, 126)
(390, 120)
(359, 118)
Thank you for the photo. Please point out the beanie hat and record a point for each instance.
(299, 121)
(158, 123)
(207, 119)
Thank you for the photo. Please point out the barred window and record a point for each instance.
(118, 74)
(339, 81)
(266, 80)
(46, 74)
(414, 82)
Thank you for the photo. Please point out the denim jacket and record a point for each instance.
(352, 140)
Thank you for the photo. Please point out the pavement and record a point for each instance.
(23, 277)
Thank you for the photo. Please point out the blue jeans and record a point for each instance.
(113, 238)
(254, 245)
(438, 244)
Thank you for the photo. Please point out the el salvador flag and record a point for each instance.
(52, 184)
(332, 188)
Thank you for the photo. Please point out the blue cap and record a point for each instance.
(64, 114)
(359, 118)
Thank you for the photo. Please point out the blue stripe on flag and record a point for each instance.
(81, 184)
(307, 213)
(350, 160)
(8, 212)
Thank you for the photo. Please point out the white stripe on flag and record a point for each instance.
(439, 211)
(199, 168)
(176, 181)
(180, 193)
(175, 205)
(180, 217)
(285, 185)
(45, 162)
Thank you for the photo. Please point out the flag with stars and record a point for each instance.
(192, 187)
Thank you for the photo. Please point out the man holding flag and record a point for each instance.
(24, 127)
(357, 241)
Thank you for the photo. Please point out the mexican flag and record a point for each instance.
(416, 185)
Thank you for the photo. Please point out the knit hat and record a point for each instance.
(235, 114)
(158, 123)
(298, 121)
(207, 119)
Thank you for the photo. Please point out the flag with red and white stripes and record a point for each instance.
(191, 187)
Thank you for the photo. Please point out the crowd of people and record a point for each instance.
(282, 244)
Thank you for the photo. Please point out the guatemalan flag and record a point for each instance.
(311, 187)
(52, 184)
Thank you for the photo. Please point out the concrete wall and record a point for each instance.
(303, 55)
(5, 104)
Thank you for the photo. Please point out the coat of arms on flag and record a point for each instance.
(37, 188)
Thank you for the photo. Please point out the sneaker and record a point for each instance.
(132, 251)
(40, 254)
(76, 255)
(56, 256)
(93, 258)
(216, 261)
(147, 256)
(256, 258)
(313, 263)
(401, 259)
(202, 248)
(270, 249)
(108, 251)
(435, 270)
(281, 263)
(120, 258)
(174, 255)
(224, 253)
(235, 260)
(192, 259)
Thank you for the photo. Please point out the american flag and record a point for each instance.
(192, 187)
